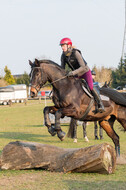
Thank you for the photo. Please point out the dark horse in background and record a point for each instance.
(72, 132)
(70, 100)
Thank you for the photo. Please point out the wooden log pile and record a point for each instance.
(19, 155)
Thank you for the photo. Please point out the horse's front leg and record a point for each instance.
(69, 112)
(60, 133)
(46, 111)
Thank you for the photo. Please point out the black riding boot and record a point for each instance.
(98, 100)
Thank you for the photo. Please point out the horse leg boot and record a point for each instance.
(50, 127)
(60, 133)
(98, 100)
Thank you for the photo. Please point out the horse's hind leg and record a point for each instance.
(107, 125)
(123, 123)
(72, 132)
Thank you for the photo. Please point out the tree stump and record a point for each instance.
(26, 155)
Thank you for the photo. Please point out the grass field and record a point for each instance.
(25, 123)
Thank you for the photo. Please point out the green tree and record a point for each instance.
(8, 77)
(119, 75)
(103, 74)
(24, 79)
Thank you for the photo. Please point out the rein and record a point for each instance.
(54, 81)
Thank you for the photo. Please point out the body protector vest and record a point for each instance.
(72, 61)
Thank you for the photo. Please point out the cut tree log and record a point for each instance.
(19, 155)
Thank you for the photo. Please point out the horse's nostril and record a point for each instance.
(32, 94)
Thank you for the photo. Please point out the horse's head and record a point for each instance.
(106, 85)
(37, 78)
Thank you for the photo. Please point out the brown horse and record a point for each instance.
(70, 100)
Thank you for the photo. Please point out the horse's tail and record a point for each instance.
(72, 126)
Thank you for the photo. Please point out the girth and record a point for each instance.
(88, 109)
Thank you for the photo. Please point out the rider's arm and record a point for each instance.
(83, 67)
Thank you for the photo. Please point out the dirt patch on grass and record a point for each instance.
(121, 160)
(28, 181)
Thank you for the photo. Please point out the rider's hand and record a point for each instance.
(70, 74)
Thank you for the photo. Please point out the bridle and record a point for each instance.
(41, 85)
(31, 74)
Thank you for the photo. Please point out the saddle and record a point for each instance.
(99, 90)
(88, 92)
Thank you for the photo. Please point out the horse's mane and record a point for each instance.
(50, 62)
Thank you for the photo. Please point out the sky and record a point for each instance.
(32, 29)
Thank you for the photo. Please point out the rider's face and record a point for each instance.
(65, 47)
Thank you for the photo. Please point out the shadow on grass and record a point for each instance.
(62, 125)
(34, 125)
(25, 136)
(87, 185)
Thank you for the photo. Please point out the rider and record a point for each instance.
(73, 58)
(95, 84)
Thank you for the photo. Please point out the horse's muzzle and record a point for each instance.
(33, 92)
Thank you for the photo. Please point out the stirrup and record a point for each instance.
(101, 109)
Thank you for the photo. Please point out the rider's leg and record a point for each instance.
(98, 100)
(88, 77)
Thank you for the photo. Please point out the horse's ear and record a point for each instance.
(37, 63)
(108, 84)
(30, 63)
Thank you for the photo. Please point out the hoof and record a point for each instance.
(52, 131)
(61, 135)
(86, 139)
(75, 141)
(96, 138)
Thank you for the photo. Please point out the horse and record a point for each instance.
(70, 100)
(72, 131)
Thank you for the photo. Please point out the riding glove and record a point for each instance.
(70, 74)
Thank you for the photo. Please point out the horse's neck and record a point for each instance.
(53, 74)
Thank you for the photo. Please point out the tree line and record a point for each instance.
(116, 77)
(9, 79)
